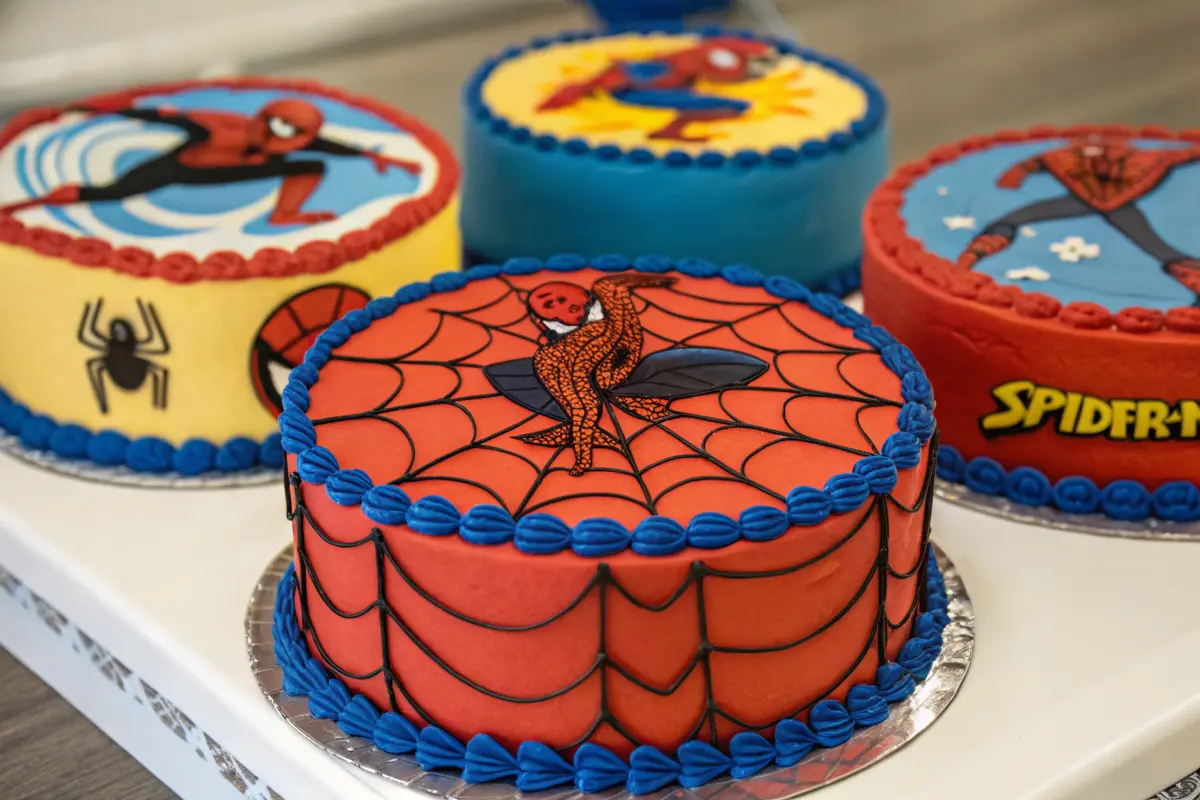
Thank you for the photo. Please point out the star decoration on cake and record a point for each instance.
(943, 191)
(1027, 231)
(959, 223)
(1074, 248)
(1027, 274)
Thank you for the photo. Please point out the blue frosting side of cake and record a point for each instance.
(791, 211)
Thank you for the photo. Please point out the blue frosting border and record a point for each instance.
(535, 766)
(542, 534)
(842, 282)
(148, 454)
(862, 128)
(1126, 500)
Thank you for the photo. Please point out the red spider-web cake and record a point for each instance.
(608, 523)
(1050, 281)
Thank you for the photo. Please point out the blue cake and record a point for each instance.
(718, 145)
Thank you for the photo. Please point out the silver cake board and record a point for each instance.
(158, 581)
(1049, 517)
(84, 469)
(823, 766)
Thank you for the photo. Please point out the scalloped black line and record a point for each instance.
(601, 582)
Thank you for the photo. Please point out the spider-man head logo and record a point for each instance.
(290, 330)
(1097, 146)
(559, 301)
(729, 59)
(285, 126)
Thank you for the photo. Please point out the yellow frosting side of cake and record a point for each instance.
(794, 102)
(211, 327)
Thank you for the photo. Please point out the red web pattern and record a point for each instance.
(618, 651)
(413, 406)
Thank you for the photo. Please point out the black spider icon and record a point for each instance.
(124, 352)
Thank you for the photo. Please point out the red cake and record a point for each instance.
(590, 514)
(1048, 282)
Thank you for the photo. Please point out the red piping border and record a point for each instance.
(311, 258)
(883, 218)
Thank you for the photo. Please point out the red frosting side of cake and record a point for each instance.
(448, 671)
(973, 335)
(508, 587)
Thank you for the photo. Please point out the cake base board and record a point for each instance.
(1083, 682)
(124, 476)
(822, 767)
(1047, 517)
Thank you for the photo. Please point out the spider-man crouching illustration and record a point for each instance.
(669, 82)
(592, 361)
(223, 147)
(1102, 175)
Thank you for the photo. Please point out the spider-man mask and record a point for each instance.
(730, 59)
(559, 301)
(285, 126)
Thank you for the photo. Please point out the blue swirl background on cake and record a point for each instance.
(792, 211)
(77, 149)
(1121, 276)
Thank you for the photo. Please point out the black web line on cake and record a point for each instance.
(649, 500)
(602, 584)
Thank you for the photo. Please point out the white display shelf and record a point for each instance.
(130, 603)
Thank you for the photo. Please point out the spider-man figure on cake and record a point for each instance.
(669, 82)
(1102, 175)
(223, 147)
(592, 361)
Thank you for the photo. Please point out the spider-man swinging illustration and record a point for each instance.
(223, 147)
(592, 361)
(669, 82)
(1105, 176)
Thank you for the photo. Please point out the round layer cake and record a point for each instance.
(583, 521)
(719, 145)
(1048, 281)
(168, 253)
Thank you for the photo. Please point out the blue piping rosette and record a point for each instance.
(597, 768)
(650, 769)
(540, 768)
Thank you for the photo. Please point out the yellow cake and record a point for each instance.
(168, 253)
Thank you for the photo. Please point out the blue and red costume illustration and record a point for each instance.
(1103, 176)
(221, 147)
(669, 82)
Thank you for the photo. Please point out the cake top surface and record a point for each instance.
(1093, 225)
(235, 167)
(577, 393)
(715, 91)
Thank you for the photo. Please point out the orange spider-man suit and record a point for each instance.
(589, 358)
(1105, 176)
(592, 361)
(223, 147)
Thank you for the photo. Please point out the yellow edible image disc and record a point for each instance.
(670, 92)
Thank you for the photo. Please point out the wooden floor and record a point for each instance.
(949, 69)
